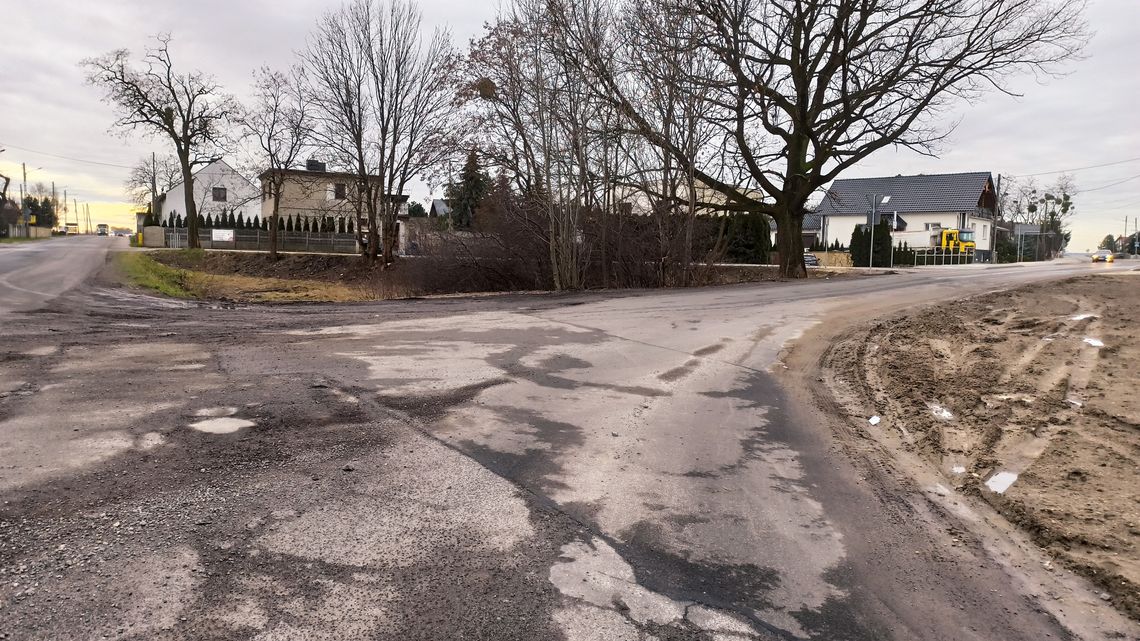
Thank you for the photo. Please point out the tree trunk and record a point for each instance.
(389, 236)
(790, 244)
(188, 202)
(273, 221)
(373, 233)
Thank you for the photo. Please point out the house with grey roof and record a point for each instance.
(913, 203)
(440, 208)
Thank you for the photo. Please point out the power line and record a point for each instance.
(89, 162)
(1119, 182)
(1062, 171)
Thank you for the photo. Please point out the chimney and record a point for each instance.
(314, 165)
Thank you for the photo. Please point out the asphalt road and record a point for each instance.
(592, 466)
(35, 272)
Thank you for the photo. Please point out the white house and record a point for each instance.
(915, 203)
(218, 187)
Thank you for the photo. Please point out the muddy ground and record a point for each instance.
(1028, 400)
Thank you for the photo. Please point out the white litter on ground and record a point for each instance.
(221, 425)
(958, 469)
(1074, 402)
(1080, 317)
(941, 412)
(1095, 342)
(874, 420)
(1001, 481)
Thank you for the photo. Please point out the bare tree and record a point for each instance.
(802, 90)
(151, 177)
(336, 83)
(280, 122)
(384, 99)
(413, 90)
(190, 109)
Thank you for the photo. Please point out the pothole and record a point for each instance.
(224, 425)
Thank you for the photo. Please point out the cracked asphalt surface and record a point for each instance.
(590, 466)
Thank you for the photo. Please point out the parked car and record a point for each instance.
(811, 260)
(1103, 256)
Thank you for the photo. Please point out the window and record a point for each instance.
(933, 226)
(985, 231)
(340, 191)
(219, 194)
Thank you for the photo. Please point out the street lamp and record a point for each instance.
(871, 250)
(24, 198)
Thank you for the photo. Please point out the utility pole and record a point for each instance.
(24, 199)
(54, 204)
(871, 249)
(153, 187)
(894, 226)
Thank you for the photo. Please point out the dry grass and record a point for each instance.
(141, 270)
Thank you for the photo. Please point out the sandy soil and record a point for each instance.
(1026, 399)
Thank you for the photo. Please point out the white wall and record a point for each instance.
(241, 196)
(983, 232)
(841, 227)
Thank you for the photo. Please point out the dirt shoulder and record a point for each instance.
(253, 277)
(1024, 399)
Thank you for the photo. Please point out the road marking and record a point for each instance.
(4, 281)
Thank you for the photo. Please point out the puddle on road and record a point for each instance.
(1001, 481)
(225, 425)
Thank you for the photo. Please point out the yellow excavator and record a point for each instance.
(961, 240)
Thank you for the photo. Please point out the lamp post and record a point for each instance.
(24, 199)
(894, 226)
(871, 246)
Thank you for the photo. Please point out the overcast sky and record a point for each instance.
(1090, 117)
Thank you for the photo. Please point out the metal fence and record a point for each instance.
(939, 256)
(258, 240)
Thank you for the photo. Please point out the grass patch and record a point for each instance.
(12, 241)
(261, 289)
(141, 270)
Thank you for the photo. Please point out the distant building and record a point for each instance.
(314, 193)
(218, 188)
(964, 201)
(440, 208)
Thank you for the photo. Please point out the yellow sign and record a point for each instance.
(32, 219)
